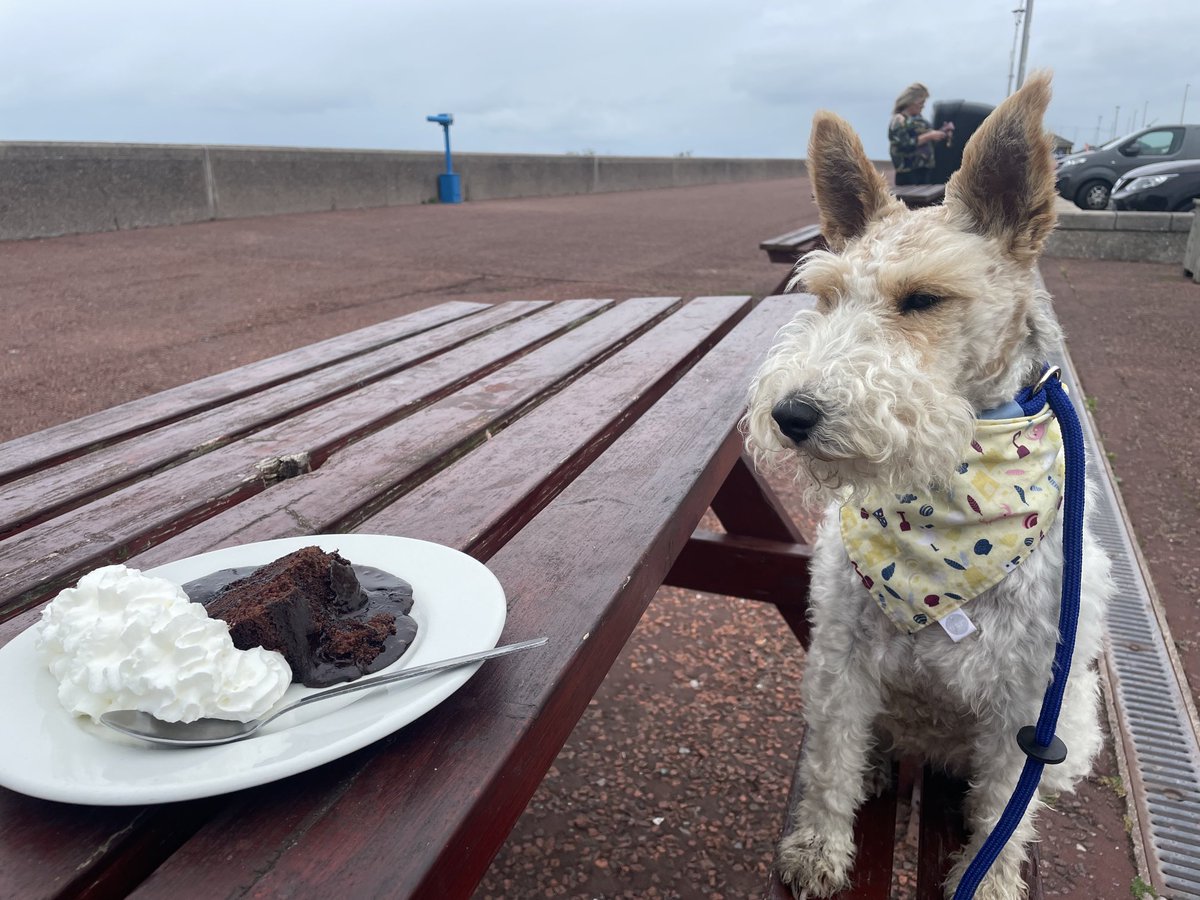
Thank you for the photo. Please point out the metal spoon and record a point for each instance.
(208, 732)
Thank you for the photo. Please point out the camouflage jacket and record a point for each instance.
(902, 143)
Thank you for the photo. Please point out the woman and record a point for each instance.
(911, 137)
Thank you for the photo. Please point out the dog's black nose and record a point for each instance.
(795, 418)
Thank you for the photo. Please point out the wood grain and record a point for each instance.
(463, 773)
(563, 447)
(43, 494)
(115, 527)
(72, 438)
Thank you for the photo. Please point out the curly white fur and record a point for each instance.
(898, 392)
(883, 420)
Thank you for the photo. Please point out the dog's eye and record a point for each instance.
(918, 302)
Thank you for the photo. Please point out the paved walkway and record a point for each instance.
(672, 784)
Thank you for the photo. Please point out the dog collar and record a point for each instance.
(924, 554)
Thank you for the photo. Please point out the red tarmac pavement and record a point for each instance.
(672, 784)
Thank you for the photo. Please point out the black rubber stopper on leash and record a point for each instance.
(1050, 756)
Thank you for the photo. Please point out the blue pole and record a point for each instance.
(449, 184)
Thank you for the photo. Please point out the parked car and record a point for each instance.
(1160, 187)
(1087, 178)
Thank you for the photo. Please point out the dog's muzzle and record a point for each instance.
(796, 418)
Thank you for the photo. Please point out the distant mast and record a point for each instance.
(1024, 43)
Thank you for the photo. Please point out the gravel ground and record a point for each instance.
(672, 784)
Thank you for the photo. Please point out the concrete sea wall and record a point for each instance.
(49, 189)
(1113, 234)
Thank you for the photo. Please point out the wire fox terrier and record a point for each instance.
(895, 396)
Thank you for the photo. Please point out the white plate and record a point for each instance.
(46, 752)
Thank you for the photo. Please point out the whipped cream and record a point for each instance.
(124, 640)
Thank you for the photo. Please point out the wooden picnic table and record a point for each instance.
(572, 446)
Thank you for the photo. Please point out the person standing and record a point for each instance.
(911, 137)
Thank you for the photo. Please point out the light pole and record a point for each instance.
(1024, 43)
(1012, 57)
(1183, 110)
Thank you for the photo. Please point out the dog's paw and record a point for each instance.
(814, 865)
(878, 779)
(999, 883)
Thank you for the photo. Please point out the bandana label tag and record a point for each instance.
(958, 625)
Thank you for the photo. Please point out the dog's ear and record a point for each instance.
(1005, 188)
(850, 191)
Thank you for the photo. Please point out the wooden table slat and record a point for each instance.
(747, 567)
(371, 471)
(747, 506)
(47, 556)
(71, 438)
(462, 773)
(547, 448)
(50, 492)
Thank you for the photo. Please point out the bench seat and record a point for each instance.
(936, 802)
(914, 196)
(789, 247)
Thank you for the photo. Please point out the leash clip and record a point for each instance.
(1051, 372)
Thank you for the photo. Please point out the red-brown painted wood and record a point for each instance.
(69, 439)
(874, 836)
(582, 571)
(44, 494)
(915, 196)
(751, 568)
(943, 832)
(548, 445)
(507, 725)
(528, 463)
(746, 505)
(45, 557)
(372, 472)
(53, 850)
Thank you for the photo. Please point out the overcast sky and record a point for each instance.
(628, 77)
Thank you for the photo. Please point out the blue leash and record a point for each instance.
(1039, 742)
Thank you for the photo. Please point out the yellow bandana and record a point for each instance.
(923, 555)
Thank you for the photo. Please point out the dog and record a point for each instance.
(925, 320)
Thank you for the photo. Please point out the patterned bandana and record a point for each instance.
(923, 555)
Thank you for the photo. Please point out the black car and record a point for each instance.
(1161, 187)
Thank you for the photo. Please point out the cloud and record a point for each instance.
(657, 77)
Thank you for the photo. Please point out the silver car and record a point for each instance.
(1087, 178)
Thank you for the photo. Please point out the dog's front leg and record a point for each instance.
(997, 768)
(842, 700)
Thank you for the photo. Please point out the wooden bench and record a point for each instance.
(915, 196)
(788, 248)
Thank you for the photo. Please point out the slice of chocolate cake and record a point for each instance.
(311, 607)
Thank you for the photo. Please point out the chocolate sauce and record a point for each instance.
(383, 592)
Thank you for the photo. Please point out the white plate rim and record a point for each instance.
(377, 713)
